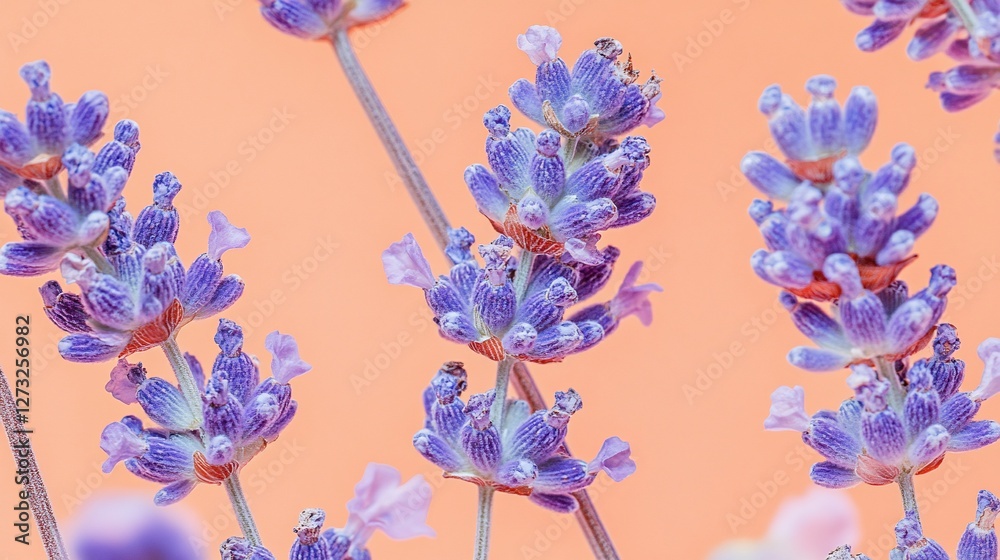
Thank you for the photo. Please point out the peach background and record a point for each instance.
(201, 78)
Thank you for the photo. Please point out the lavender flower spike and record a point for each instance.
(148, 295)
(523, 456)
(598, 99)
(319, 19)
(476, 304)
(979, 542)
(242, 414)
(870, 440)
(33, 150)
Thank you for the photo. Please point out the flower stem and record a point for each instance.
(430, 209)
(38, 498)
(589, 520)
(400, 155)
(482, 551)
(242, 509)
(905, 481)
(964, 11)
(192, 394)
(99, 260)
(185, 378)
(897, 393)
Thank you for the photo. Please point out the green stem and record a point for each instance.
(394, 145)
(242, 509)
(99, 260)
(897, 393)
(192, 394)
(34, 486)
(964, 10)
(185, 378)
(905, 482)
(482, 551)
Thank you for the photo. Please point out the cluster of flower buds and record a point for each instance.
(978, 542)
(524, 456)
(34, 149)
(968, 31)
(128, 527)
(864, 325)
(240, 415)
(841, 240)
(554, 192)
(879, 434)
(598, 100)
(479, 305)
(382, 502)
(318, 19)
(146, 294)
(53, 223)
(833, 204)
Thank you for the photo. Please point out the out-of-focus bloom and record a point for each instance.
(149, 294)
(382, 502)
(241, 416)
(130, 528)
(477, 305)
(834, 205)
(553, 198)
(317, 19)
(805, 527)
(864, 326)
(597, 100)
(971, 36)
(885, 431)
(34, 149)
(53, 223)
(523, 456)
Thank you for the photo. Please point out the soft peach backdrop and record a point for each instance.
(202, 78)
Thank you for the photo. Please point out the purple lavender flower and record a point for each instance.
(834, 205)
(912, 544)
(477, 305)
(979, 542)
(382, 502)
(52, 223)
(553, 197)
(881, 433)
(148, 294)
(318, 19)
(128, 528)
(968, 32)
(33, 149)
(599, 99)
(863, 325)
(524, 456)
(237, 548)
(241, 416)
